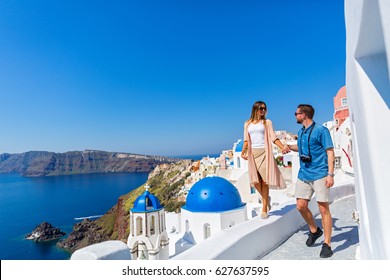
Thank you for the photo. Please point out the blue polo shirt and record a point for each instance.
(320, 141)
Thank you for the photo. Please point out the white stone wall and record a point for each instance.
(196, 222)
(243, 186)
(108, 250)
(368, 90)
(217, 221)
(243, 242)
(232, 218)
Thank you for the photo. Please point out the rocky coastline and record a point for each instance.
(37, 163)
(84, 233)
(45, 232)
(164, 181)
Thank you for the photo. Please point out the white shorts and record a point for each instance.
(306, 189)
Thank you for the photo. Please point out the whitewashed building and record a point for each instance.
(213, 204)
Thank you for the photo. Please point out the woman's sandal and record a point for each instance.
(264, 215)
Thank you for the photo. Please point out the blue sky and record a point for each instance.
(162, 77)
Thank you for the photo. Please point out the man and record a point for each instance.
(315, 175)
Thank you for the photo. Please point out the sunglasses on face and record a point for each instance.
(296, 114)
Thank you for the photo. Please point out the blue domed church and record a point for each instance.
(212, 204)
(148, 238)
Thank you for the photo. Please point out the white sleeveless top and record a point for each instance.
(256, 131)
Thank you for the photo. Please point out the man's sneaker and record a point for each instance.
(326, 251)
(313, 237)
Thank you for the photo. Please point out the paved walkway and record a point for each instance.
(345, 238)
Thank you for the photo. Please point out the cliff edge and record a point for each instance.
(164, 181)
(38, 163)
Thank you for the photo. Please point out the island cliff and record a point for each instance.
(164, 181)
(77, 162)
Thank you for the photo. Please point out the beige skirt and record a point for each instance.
(260, 162)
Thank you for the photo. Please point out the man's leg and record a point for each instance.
(302, 206)
(326, 221)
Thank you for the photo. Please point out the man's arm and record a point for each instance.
(291, 148)
(329, 178)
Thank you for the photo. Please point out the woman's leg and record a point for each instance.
(258, 187)
(264, 191)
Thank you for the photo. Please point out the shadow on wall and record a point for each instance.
(184, 243)
(371, 51)
(284, 210)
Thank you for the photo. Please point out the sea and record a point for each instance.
(62, 201)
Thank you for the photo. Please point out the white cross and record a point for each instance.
(147, 188)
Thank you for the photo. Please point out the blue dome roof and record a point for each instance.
(213, 194)
(239, 146)
(146, 202)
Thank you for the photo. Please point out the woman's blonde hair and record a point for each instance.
(256, 107)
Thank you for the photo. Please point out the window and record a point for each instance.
(206, 231)
(152, 225)
(344, 102)
(132, 225)
(238, 162)
(163, 225)
(138, 226)
(160, 222)
(337, 162)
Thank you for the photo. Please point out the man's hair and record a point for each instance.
(307, 109)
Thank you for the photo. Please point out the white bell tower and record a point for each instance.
(148, 238)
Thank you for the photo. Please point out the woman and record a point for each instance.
(258, 138)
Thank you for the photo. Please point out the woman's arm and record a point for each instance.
(276, 140)
(279, 143)
(244, 153)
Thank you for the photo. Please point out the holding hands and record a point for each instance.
(286, 149)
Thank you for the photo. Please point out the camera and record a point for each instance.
(305, 158)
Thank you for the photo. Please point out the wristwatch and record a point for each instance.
(331, 174)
